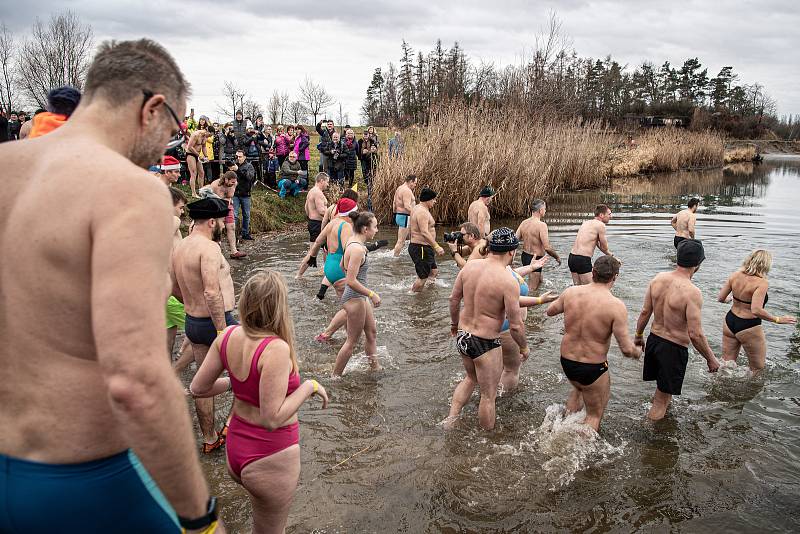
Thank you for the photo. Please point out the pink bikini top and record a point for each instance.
(247, 389)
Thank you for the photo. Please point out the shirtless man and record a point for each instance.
(592, 233)
(535, 241)
(176, 314)
(676, 303)
(316, 207)
(490, 296)
(591, 315)
(403, 205)
(683, 222)
(195, 158)
(224, 188)
(202, 281)
(90, 399)
(422, 228)
(478, 211)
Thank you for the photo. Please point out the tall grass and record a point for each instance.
(667, 149)
(464, 148)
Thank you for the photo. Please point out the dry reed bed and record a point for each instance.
(465, 148)
(740, 153)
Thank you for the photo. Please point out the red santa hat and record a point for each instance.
(168, 163)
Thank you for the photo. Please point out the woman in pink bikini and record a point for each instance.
(262, 446)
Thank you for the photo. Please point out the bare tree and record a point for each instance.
(298, 112)
(274, 108)
(8, 81)
(314, 97)
(55, 55)
(234, 100)
(284, 105)
(252, 109)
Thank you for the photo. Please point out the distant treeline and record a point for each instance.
(554, 78)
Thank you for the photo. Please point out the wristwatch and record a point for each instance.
(203, 521)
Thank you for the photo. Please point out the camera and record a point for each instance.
(454, 237)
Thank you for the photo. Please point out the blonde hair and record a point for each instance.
(757, 263)
(264, 309)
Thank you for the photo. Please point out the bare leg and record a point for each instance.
(371, 335)
(356, 315)
(661, 402)
(230, 232)
(512, 362)
(583, 279)
(464, 388)
(192, 164)
(595, 398)
(488, 368)
(574, 400)
(338, 321)
(271, 482)
(171, 333)
(730, 345)
(755, 346)
(401, 241)
(534, 281)
(185, 357)
(204, 407)
(419, 283)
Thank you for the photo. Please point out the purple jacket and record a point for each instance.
(301, 147)
(282, 145)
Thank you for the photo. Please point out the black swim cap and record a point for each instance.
(503, 240)
(207, 208)
(426, 194)
(690, 253)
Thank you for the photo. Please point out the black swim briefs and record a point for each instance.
(665, 362)
(582, 372)
(677, 240)
(424, 259)
(474, 346)
(528, 258)
(579, 264)
(201, 330)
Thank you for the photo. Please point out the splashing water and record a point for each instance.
(570, 445)
(359, 362)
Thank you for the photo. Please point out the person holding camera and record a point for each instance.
(333, 152)
(325, 139)
(467, 244)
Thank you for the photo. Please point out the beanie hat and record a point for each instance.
(208, 208)
(690, 253)
(63, 100)
(503, 240)
(169, 163)
(487, 191)
(426, 194)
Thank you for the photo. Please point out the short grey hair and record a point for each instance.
(538, 204)
(321, 177)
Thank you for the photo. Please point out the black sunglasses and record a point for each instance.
(175, 142)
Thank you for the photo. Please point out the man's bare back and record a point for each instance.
(198, 261)
(530, 232)
(670, 296)
(58, 316)
(591, 314)
(478, 214)
(684, 223)
(316, 204)
(487, 282)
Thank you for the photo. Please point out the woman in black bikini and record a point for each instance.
(742, 326)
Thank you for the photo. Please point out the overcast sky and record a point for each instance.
(264, 45)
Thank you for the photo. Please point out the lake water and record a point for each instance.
(726, 457)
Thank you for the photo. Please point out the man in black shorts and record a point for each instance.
(591, 315)
(490, 296)
(676, 303)
(316, 206)
(423, 248)
(535, 241)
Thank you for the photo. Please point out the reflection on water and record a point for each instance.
(727, 454)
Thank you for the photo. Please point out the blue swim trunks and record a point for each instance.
(114, 494)
(401, 220)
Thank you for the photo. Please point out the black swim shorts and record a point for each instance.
(665, 362)
(677, 240)
(474, 346)
(201, 330)
(581, 372)
(579, 264)
(528, 258)
(314, 229)
(424, 259)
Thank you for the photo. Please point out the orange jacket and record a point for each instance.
(46, 122)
